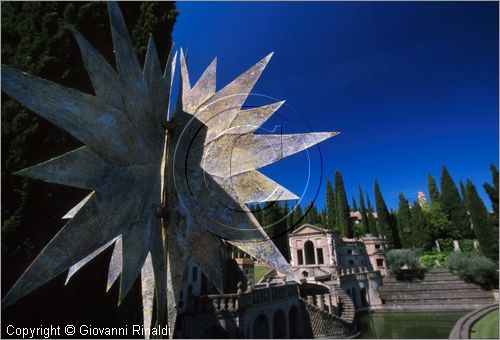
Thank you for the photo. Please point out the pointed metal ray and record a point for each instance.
(263, 249)
(160, 274)
(103, 76)
(115, 264)
(80, 168)
(251, 151)
(185, 84)
(136, 244)
(126, 59)
(152, 73)
(76, 267)
(248, 121)
(253, 186)
(89, 230)
(205, 250)
(168, 78)
(70, 214)
(232, 96)
(103, 128)
(148, 290)
(203, 89)
(136, 241)
(176, 262)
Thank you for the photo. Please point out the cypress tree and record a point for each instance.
(434, 194)
(404, 222)
(395, 230)
(372, 222)
(354, 205)
(343, 212)
(421, 235)
(298, 217)
(486, 234)
(492, 191)
(454, 208)
(463, 192)
(286, 215)
(322, 215)
(330, 206)
(385, 222)
(364, 217)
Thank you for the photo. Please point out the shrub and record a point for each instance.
(474, 267)
(403, 263)
(433, 260)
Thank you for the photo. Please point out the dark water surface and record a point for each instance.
(407, 325)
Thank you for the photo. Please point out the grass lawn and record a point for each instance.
(259, 270)
(486, 327)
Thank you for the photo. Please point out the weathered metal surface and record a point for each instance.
(70, 214)
(104, 78)
(202, 172)
(248, 121)
(147, 288)
(74, 268)
(262, 189)
(115, 264)
(80, 168)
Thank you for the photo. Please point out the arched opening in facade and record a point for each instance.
(261, 327)
(362, 294)
(309, 250)
(279, 325)
(293, 323)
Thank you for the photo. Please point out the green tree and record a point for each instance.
(439, 223)
(404, 222)
(486, 233)
(454, 208)
(274, 223)
(312, 215)
(364, 216)
(492, 191)
(385, 222)
(330, 206)
(434, 194)
(344, 221)
(421, 235)
(298, 216)
(354, 206)
(372, 222)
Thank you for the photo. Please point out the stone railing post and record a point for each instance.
(321, 302)
(310, 300)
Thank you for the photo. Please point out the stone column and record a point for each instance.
(315, 255)
(321, 302)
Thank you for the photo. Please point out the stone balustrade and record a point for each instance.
(261, 293)
(360, 274)
(325, 302)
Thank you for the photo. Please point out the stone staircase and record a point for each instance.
(347, 310)
(324, 324)
(328, 320)
(438, 290)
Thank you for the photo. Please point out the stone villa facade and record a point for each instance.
(315, 251)
(338, 276)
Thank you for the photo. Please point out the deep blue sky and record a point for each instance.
(410, 86)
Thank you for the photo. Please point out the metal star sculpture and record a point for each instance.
(166, 189)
